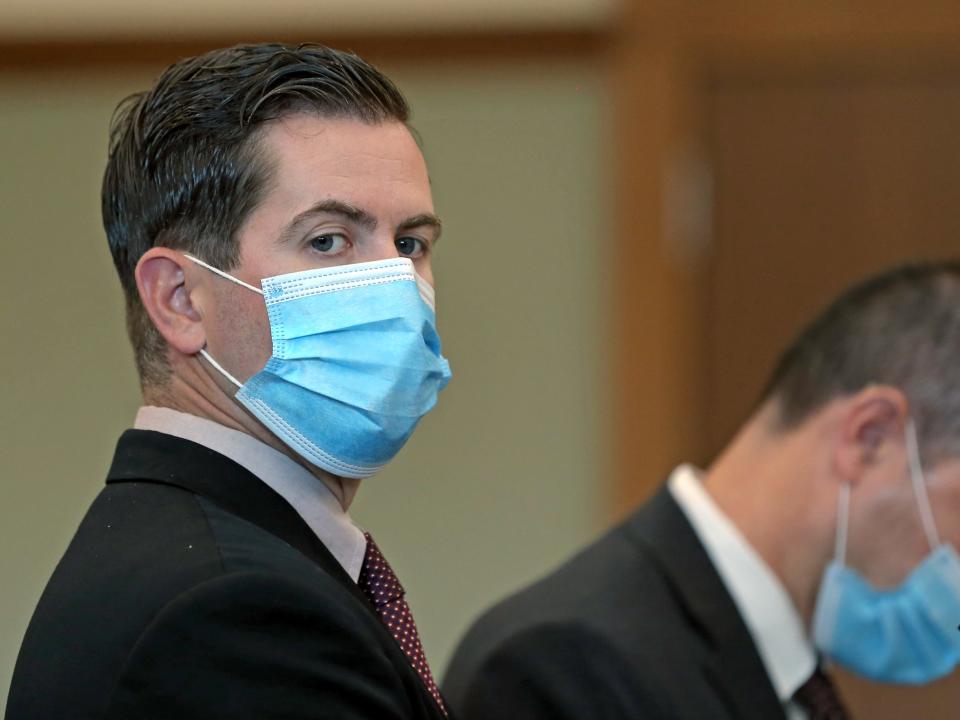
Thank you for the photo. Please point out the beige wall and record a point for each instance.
(503, 480)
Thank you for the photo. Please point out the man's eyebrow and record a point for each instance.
(423, 220)
(335, 207)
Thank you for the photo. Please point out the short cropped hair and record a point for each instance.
(184, 169)
(900, 328)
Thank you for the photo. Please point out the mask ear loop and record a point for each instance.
(843, 520)
(207, 356)
(919, 487)
(223, 274)
(218, 366)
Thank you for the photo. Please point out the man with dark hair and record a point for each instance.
(270, 217)
(826, 530)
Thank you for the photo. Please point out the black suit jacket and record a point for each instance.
(639, 625)
(193, 590)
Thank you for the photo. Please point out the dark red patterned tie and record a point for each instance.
(380, 585)
(820, 699)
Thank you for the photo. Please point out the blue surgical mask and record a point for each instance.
(906, 634)
(356, 362)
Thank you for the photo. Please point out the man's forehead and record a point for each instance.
(370, 165)
(301, 138)
(321, 165)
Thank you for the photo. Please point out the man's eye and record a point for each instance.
(329, 243)
(410, 247)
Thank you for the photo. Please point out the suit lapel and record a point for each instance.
(732, 665)
(148, 456)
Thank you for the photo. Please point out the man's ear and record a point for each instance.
(873, 418)
(162, 281)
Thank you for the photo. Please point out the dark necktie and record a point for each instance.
(820, 699)
(379, 583)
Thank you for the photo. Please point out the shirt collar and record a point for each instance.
(761, 598)
(311, 499)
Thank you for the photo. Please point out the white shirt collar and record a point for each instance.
(312, 500)
(761, 598)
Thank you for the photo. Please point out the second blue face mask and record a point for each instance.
(356, 362)
(905, 634)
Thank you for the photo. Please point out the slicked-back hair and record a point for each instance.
(184, 170)
(900, 328)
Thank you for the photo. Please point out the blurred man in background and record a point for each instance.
(270, 217)
(826, 530)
